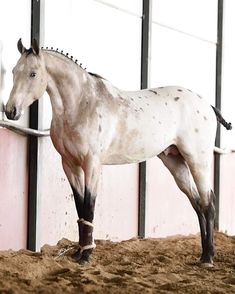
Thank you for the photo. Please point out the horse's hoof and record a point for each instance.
(77, 255)
(82, 261)
(206, 261)
(207, 264)
(82, 258)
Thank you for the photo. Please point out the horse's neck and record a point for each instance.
(66, 82)
(75, 93)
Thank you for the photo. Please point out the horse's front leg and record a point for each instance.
(92, 174)
(84, 183)
(75, 175)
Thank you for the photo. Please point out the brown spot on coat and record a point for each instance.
(196, 130)
(176, 98)
(198, 111)
(166, 103)
(205, 118)
(179, 90)
(100, 129)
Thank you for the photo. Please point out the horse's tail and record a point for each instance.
(220, 119)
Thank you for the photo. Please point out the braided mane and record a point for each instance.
(70, 57)
(67, 55)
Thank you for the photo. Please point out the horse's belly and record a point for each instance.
(127, 158)
(137, 146)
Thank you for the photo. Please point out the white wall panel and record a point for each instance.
(177, 59)
(105, 40)
(133, 6)
(195, 17)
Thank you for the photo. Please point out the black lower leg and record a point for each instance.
(89, 205)
(202, 224)
(85, 208)
(79, 202)
(208, 252)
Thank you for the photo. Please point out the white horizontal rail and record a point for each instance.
(223, 150)
(23, 130)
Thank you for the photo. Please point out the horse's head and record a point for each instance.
(29, 80)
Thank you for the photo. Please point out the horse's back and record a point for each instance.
(173, 105)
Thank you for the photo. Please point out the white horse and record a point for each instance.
(95, 123)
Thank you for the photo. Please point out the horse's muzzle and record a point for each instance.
(13, 113)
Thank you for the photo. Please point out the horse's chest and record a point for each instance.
(69, 145)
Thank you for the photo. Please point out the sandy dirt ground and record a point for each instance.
(168, 265)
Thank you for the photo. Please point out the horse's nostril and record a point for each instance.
(13, 112)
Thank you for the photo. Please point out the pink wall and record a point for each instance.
(117, 204)
(168, 211)
(56, 214)
(14, 190)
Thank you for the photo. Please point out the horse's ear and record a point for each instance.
(20, 47)
(35, 47)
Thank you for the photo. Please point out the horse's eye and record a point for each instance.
(32, 75)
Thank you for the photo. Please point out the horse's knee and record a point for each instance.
(210, 210)
(207, 203)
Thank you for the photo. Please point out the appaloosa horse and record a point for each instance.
(95, 123)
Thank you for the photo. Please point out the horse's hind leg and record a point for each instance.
(200, 167)
(183, 178)
(201, 174)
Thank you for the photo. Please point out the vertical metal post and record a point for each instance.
(218, 85)
(33, 142)
(145, 49)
